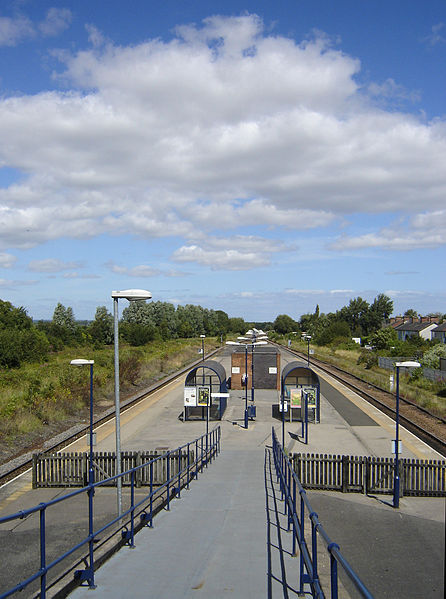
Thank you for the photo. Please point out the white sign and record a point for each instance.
(235, 370)
(285, 406)
(272, 370)
(400, 447)
(219, 394)
(190, 396)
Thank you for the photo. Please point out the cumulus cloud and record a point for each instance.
(426, 230)
(7, 260)
(16, 29)
(235, 253)
(140, 271)
(52, 265)
(221, 127)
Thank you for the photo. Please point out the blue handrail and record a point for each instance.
(290, 488)
(206, 448)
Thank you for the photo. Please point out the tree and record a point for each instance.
(384, 338)
(431, 358)
(338, 329)
(411, 313)
(64, 317)
(14, 318)
(284, 324)
(237, 325)
(102, 328)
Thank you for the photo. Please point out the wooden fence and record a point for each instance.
(370, 475)
(71, 469)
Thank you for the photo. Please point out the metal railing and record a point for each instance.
(198, 454)
(297, 508)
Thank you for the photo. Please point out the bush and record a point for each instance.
(27, 345)
(368, 358)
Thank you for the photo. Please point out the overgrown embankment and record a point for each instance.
(38, 401)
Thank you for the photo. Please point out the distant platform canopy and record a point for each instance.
(217, 368)
(298, 373)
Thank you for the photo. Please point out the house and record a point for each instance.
(440, 333)
(420, 328)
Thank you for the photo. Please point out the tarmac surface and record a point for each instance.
(222, 537)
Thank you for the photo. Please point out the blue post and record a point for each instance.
(151, 494)
(396, 479)
(42, 553)
(246, 386)
(168, 479)
(306, 417)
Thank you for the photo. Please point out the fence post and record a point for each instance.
(35, 471)
(345, 473)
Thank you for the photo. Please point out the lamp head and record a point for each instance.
(132, 294)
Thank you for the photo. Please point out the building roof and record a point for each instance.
(440, 329)
(414, 327)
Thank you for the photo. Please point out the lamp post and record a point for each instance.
(90, 570)
(130, 295)
(81, 362)
(246, 369)
(308, 338)
(396, 472)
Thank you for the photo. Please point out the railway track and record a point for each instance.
(426, 425)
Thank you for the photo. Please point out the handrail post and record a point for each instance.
(188, 466)
(151, 494)
(314, 528)
(91, 530)
(132, 512)
(168, 479)
(42, 552)
(180, 453)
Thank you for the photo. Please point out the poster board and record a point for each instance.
(295, 397)
(311, 396)
(203, 395)
(190, 397)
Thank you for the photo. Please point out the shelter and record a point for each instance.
(298, 379)
(205, 384)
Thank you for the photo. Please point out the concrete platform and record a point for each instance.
(222, 537)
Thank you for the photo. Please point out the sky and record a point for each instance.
(259, 158)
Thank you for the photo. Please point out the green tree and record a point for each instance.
(338, 329)
(384, 338)
(14, 318)
(284, 324)
(102, 328)
(431, 358)
(411, 313)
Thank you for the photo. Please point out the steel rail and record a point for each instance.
(427, 436)
(23, 462)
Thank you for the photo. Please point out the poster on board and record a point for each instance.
(203, 396)
(296, 398)
(190, 397)
(311, 396)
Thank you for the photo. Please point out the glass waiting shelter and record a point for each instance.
(298, 381)
(206, 384)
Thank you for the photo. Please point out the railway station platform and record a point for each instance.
(214, 540)
(222, 537)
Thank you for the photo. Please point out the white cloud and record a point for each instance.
(427, 230)
(7, 260)
(56, 21)
(224, 126)
(233, 253)
(52, 265)
(16, 29)
(140, 271)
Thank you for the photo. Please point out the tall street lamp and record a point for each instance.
(396, 472)
(81, 362)
(246, 370)
(130, 295)
(308, 338)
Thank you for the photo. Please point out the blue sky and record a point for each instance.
(255, 157)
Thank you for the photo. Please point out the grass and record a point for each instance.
(427, 394)
(55, 395)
